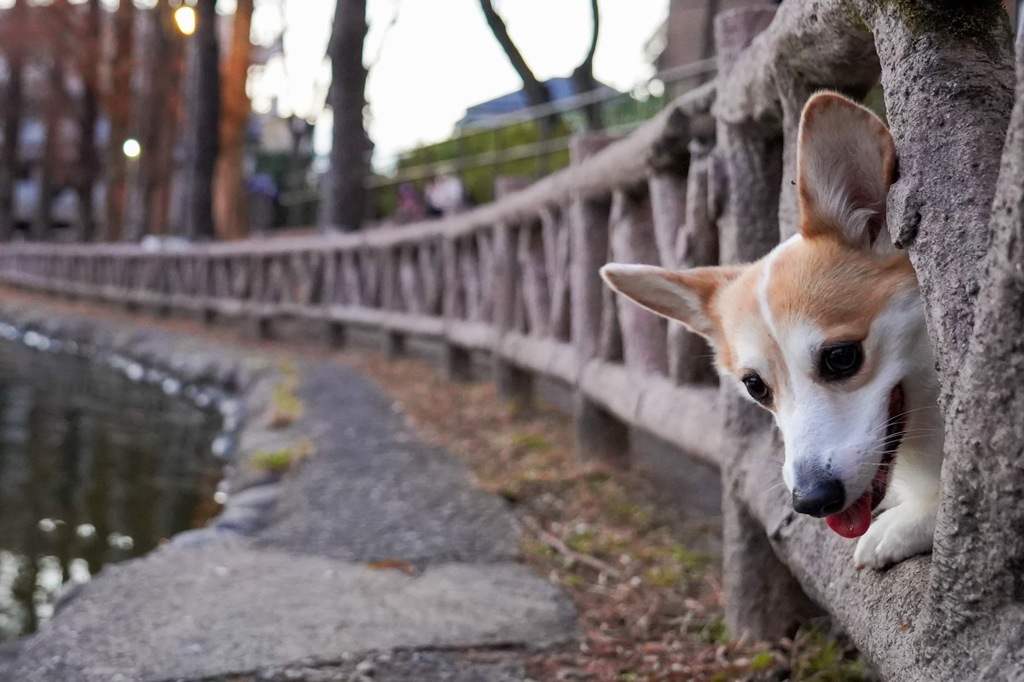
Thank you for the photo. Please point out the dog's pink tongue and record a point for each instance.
(853, 522)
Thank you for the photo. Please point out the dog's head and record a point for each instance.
(826, 331)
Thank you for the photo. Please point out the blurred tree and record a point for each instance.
(583, 75)
(535, 91)
(56, 22)
(87, 66)
(229, 191)
(158, 105)
(13, 31)
(117, 102)
(168, 74)
(202, 126)
(55, 44)
(344, 198)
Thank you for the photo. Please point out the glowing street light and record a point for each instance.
(131, 148)
(185, 19)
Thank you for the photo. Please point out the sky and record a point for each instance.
(439, 57)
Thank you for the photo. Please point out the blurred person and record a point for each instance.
(446, 196)
(411, 206)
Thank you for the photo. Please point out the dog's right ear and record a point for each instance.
(682, 296)
(846, 161)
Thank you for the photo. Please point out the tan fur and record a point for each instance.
(840, 282)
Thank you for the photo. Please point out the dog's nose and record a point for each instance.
(821, 498)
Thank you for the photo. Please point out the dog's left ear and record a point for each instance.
(846, 161)
(682, 296)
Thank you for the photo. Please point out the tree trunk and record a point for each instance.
(119, 113)
(12, 128)
(42, 221)
(157, 121)
(167, 135)
(202, 130)
(535, 91)
(583, 80)
(12, 112)
(979, 552)
(145, 122)
(88, 158)
(229, 192)
(344, 198)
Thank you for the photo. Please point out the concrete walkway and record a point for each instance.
(293, 596)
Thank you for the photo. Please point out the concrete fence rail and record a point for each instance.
(706, 182)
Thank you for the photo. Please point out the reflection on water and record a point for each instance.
(94, 468)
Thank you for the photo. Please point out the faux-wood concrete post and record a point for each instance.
(514, 384)
(456, 360)
(763, 599)
(681, 203)
(599, 435)
(392, 344)
(457, 363)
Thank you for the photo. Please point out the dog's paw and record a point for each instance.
(897, 534)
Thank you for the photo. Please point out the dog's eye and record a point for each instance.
(757, 389)
(841, 361)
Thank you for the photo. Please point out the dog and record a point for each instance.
(828, 333)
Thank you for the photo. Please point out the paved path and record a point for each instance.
(296, 594)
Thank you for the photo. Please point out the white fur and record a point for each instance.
(831, 430)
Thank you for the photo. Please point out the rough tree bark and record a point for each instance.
(984, 478)
(229, 192)
(202, 127)
(344, 199)
(946, 70)
(118, 107)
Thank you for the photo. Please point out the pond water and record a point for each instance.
(94, 468)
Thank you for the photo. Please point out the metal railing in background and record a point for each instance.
(478, 156)
(518, 143)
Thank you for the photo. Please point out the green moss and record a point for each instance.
(976, 21)
(280, 461)
(573, 580)
(762, 661)
(713, 631)
(821, 657)
(531, 441)
(855, 18)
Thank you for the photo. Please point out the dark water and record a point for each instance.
(94, 468)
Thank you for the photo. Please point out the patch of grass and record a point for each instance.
(627, 512)
(531, 441)
(573, 580)
(663, 577)
(280, 461)
(713, 631)
(764, 660)
(821, 658)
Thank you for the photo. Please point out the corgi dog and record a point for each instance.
(828, 333)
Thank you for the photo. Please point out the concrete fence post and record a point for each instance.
(763, 600)
(599, 436)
